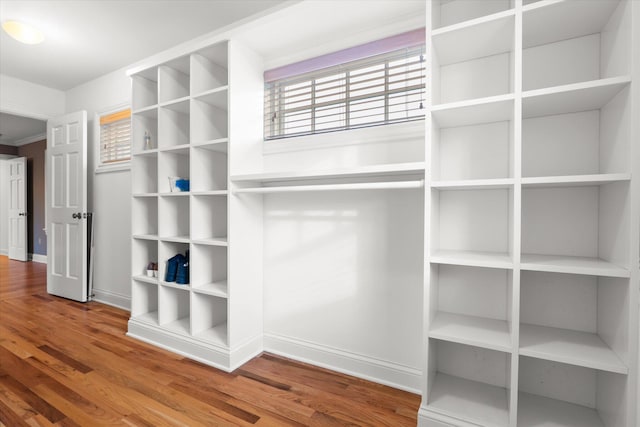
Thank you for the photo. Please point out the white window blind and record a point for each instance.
(115, 137)
(382, 89)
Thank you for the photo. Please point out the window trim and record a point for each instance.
(100, 167)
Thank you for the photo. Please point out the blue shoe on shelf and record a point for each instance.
(182, 277)
(172, 267)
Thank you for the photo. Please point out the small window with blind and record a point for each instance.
(115, 138)
(378, 83)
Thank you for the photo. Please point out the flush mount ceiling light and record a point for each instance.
(22, 32)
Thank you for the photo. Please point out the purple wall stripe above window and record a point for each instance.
(378, 47)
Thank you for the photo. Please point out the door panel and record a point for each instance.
(67, 186)
(18, 209)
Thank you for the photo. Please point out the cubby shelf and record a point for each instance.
(566, 346)
(575, 180)
(473, 184)
(464, 113)
(216, 335)
(534, 410)
(584, 96)
(472, 258)
(572, 265)
(473, 401)
(147, 279)
(150, 318)
(218, 289)
(145, 236)
(472, 330)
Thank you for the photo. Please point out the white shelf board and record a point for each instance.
(145, 236)
(472, 258)
(180, 326)
(474, 401)
(215, 97)
(149, 318)
(574, 180)
(217, 289)
(571, 265)
(221, 145)
(385, 185)
(551, 21)
(215, 90)
(210, 193)
(145, 195)
(567, 346)
(216, 335)
(146, 279)
(175, 194)
(212, 241)
(181, 105)
(397, 169)
(477, 38)
(145, 153)
(571, 98)
(174, 285)
(182, 149)
(148, 111)
(476, 111)
(471, 330)
(175, 239)
(535, 411)
(473, 184)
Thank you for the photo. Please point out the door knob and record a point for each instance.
(22, 214)
(76, 215)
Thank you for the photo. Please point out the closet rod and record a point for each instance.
(335, 187)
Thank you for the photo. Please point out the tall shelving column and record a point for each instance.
(470, 214)
(144, 177)
(209, 192)
(577, 321)
(531, 273)
(184, 106)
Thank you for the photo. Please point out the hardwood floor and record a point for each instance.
(70, 364)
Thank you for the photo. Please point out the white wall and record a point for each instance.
(109, 193)
(27, 99)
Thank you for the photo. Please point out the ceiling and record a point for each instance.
(85, 39)
(16, 130)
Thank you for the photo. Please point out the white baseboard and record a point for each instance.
(4, 252)
(42, 259)
(379, 371)
(110, 298)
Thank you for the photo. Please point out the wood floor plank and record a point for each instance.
(69, 364)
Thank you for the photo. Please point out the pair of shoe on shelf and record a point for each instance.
(178, 269)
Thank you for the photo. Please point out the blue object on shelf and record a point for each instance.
(182, 277)
(182, 184)
(172, 267)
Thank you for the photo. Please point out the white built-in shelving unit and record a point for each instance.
(183, 105)
(532, 206)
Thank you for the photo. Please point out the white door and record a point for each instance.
(18, 208)
(67, 206)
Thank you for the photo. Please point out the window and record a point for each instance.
(115, 137)
(376, 90)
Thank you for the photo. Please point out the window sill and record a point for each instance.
(125, 166)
